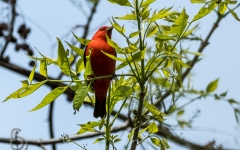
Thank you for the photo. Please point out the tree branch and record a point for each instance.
(122, 127)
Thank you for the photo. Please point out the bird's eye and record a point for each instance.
(101, 29)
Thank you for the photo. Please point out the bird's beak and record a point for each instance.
(109, 28)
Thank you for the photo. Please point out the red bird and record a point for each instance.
(101, 65)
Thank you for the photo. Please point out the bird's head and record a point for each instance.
(101, 32)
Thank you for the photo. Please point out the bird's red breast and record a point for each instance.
(101, 65)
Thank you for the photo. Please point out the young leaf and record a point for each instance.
(31, 88)
(181, 112)
(79, 65)
(152, 128)
(204, 11)
(165, 143)
(30, 78)
(212, 86)
(121, 2)
(82, 41)
(43, 68)
(50, 97)
(161, 38)
(15, 94)
(62, 59)
(181, 63)
(234, 15)
(147, 2)
(222, 8)
(127, 17)
(80, 95)
(116, 26)
(113, 57)
(114, 45)
(98, 140)
(180, 24)
(151, 30)
(133, 34)
(123, 91)
(88, 67)
(116, 140)
(155, 141)
(155, 112)
(198, 1)
(77, 50)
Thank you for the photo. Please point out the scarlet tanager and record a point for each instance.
(102, 65)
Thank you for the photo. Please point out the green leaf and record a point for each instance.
(181, 112)
(151, 30)
(121, 2)
(25, 83)
(237, 114)
(116, 140)
(123, 91)
(166, 72)
(116, 26)
(77, 50)
(147, 2)
(113, 44)
(98, 140)
(113, 57)
(15, 94)
(62, 59)
(181, 63)
(155, 141)
(198, 1)
(30, 78)
(156, 113)
(31, 88)
(101, 123)
(165, 143)
(180, 24)
(232, 101)
(127, 17)
(222, 8)
(134, 34)
(82, 41)
(204, 11)
(88, 68)
(164, 38)
(43, 68)
(79, 65)
(212, 86)
(145, 15)
(80, 95)
(50, 97)
(231, 1)
(234, 15)
(223, 94)
(152, 128)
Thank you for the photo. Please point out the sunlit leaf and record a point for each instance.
(82, 41)
(161, 38)
(30, 78)
(50, 97)
(31, 88)
(15, 94)
(147, 2)
(134, 34)
(155, 141)
(116, 26)
(153, 128)
(198, 1)
(113, 57)
(127, 17)
(113, 44)
(77, 50)
(181, 112)
(204, 11)
(62, 59)
(98, 140)
(79, 96)
(212, 86)
(43, 68)
(181, 63)
(151, 30)
(234, 15)
(165, 143)
(88, 68)
(121, 2)
(180, 24)
(222, 8)
(79, 65)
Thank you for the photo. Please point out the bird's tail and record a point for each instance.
(100, 108)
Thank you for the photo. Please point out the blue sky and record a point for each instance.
(56, 17)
